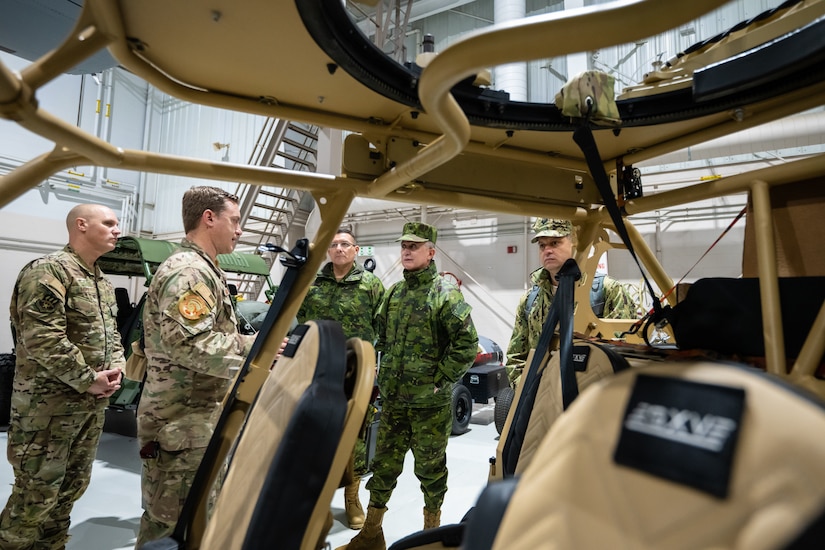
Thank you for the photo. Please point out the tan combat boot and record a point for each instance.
(355, 513)
(371, 536)
(432, 519)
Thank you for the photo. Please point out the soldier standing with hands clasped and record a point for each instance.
(69, 361)
(428, 341)
(193, 351)
(343, 291)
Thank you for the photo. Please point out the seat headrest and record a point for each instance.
(679, 455)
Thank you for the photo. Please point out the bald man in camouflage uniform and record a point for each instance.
(428, 341)
(556, 240)
(343, 291)
(69, 361)
(194, 350)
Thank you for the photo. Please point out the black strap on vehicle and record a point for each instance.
(560, 313)
(565, 296)
(293, 260)
(583, 136)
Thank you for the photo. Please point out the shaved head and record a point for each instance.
(93, 230)
(85, 211)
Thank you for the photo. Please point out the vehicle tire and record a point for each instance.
(462, 409)
(6, 378)
(504, 400)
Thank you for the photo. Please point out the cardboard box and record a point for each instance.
(799, 223)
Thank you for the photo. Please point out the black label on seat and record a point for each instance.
(682, 431)
(295, 340)
(580, 357)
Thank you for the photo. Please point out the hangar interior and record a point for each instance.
(489, 253)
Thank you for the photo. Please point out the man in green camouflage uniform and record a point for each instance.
(194, 350)
(556, 240)
(69, 361)
(343, 291)
(428, 341)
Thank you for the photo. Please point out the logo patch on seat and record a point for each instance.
(295, 340)
(682, 431)
(580, 357)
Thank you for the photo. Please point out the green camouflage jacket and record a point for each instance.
(193, 349)
(527, 327)
(353, 301)
(64, 316)
(426, 338)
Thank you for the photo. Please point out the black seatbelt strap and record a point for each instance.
(561, 314)
(583, 136)
(293, 260)
(565, 296)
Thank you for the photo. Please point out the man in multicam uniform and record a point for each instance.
(556, 240)
(428, 341)
(194, 350)
(69, 361)
(344, 292)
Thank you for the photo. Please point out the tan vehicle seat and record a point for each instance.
(543, 402)
(295, 446)
(678, 456)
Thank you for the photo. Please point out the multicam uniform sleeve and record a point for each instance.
(618, 303)
(118, 353)
(42, 327)
(519, 346)
(210, 343)
(461, 337)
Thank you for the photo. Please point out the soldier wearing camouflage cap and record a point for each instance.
(343, 291)
(428, 341)
(69, 361)
(556, 240)
(194, 350)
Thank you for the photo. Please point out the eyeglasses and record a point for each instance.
(343, 246)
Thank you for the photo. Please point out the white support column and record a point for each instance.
(511, 78)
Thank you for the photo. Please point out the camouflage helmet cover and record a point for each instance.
(549, 227)
(418, 232)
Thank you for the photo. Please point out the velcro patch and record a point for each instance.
(682, 431)
(203, 291)
(56, 294)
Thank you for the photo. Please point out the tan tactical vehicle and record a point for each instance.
(433, 136)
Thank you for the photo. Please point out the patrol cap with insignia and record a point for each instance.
(549, 227)
(418, 232)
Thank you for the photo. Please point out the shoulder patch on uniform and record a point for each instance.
(56, 295)
(203, 291)
(192, 305)
(53, 283)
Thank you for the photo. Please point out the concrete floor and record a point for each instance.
(108, 514)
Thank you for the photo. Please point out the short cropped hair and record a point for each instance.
(198, 200)
(348, 231)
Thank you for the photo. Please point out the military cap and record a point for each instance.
(418, 232)
(549, 227)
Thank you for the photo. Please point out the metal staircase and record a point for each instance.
(267, 213)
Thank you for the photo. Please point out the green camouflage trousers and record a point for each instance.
(359, 457)
(425, 432)
(52, 461)
(165, 482)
